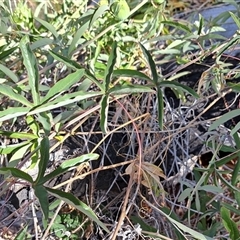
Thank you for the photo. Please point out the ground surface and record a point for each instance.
(107, 185)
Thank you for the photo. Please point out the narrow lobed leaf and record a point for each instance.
(13, 147)
(13, 112)
(68, 164)
(7, 53)
(42, 195)
(110, 66)
(30, 62)
(76, 203)
(150, 63)
(94, 80)
(132, 74)
(129, 89)
(9, 73)
(63, 101)
(98, 13)
(224, 118)
(229, 224)
(48, 26)
(18, 135)
(178, 25)
(64, 84)
(176, 85)
(44, 158)
(67, 61)
(104, 113)
(160, 107)
(45, 119)
(16, 173)
(77, 37)
(13, 95)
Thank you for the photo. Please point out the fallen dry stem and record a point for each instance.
(102, 168)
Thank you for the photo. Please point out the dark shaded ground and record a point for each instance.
(117, 147)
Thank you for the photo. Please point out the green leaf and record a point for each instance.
(197, 202)
(85, 85)
(186, 193)
(237, 197)
(229, 224)
(173, 215)
(18, 154)
(76, 161)
(64, 100)
(160, 108)
(153, 68)
(110, 65)
(42, 195)
(68, 62)
(236, 138)
(236, 19)
(226, 159)
(132, 74)
(42, 166)
(144, 226)
(69, 164)
(104, 113)
(176, 85)
(13, 147)
(211, 188)
(7, 53)
(94, 80)
(13, 112)
(127, 89)
(235, 129)
(9, 73)
(48, 26)
(33, 125)
(120, 9)
(107, 80)
(76, 203)
(35, 153)
(234, 86)
(45, 119)
(13, 95)
(178, 75)
(64, 84)
(62, 118)
(229, 44)
(151, 64)
(233, 188)
(201, 22)
(30, 62)
(178, 25)
(41, 42)
(224, 118)
(77, 37)
(98, 13)
(231, 208)
(236, 170)
(18, 135)
(16, 173)
(22, 235)
(169, 51)
(184, 228)
(176, 43)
